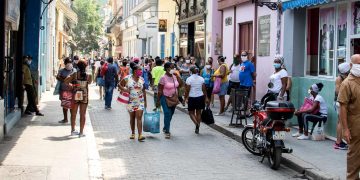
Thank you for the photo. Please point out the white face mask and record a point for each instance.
(69, 66)
(208, 66)
(187, 61)
(172, 71)
(309, 91)
(76, 61)
(28, 62)
(244, 58)
(355, 70)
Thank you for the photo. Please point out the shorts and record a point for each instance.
(209, 91)
(223, 89)
(196, 103)
(232, 85)
(100, 81)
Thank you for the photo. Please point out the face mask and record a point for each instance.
(355, 70)
(138, 72)
(309, 91)
(277, 65)
(76, 61)
(243, 58)
(28, 62)
(208, 66)
(69, 66)
(187, 61)
(172, 71)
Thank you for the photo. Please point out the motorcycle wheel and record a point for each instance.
(249, 140)
(275, 157)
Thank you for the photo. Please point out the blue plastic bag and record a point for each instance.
(151, 122)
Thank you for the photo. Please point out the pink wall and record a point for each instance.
(265, 64)
(228, 35)
(213, 29)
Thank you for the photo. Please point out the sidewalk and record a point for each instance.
(317, 159)
(41, 148)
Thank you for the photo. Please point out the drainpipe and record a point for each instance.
(234, 41)
(2, 46)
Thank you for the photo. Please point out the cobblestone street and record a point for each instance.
(186, 155)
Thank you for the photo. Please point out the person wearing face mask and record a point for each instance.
(247, 73)
(222, 73)
(278, 82)
(75, 62)
(65, 88)
(185, 73)
(110, 77)
(350, 115)
(344, 70)
(157, 72)
(28, 85)
(168, 90)
(124, 69)
(100, 80)
(206, 73)
(316, 114)
(135, 85)
(234, 81)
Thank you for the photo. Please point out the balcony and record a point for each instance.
(143, 5)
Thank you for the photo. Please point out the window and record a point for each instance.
(327, 33)
(342, 33)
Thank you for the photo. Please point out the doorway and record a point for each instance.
(246, 38)
(355, 46)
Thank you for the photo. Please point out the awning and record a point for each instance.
(292, 4)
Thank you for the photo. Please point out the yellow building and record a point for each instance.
(168, 29)
(113, 31)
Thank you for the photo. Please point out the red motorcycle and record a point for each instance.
(265, 137)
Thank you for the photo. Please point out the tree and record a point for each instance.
(89, 27)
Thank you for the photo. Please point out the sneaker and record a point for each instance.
(341, 146)
(303, 137)
(74, 133)
(63, 121)
(167, 135)
(81, 135)
(336, 146)
(39, 114)
(28, 113)
(296, 134)
(220, 114)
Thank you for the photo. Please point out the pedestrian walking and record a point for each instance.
(65, 88)
(100, 80)
(222, 72)
(156, 73)
(316, 114)
(234, 81)
(350, 115)
(135, 85)
(28, 86)
(168, 95)
(247, 73)
(124, 69)
(80, 83)
(344, 70)
(278, 82)
(196, 97)
(110, 77)
(206, 73)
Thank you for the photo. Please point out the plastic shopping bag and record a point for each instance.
(318, 134)
(151, 122)
(217, 86)
(57, 88)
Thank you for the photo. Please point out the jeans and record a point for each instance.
(168, 113)
(109, 89)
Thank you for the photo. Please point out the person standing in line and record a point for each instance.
(134, 85)
(350, 116)
(206, 73)
(100, 80)
(222, 72)
(81, 81)
(168, 86)
(195, 96)
(156, 73)
(28, 85)
(210, 61)
(344, 69)
(110, 77)
(247, 73)
(234, 81)
(65, 88)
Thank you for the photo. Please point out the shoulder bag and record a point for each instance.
(174, 99)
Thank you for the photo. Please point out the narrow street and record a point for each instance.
(186, 155)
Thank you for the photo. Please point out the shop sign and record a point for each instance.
(162, 25)
(13, 13)
(228, 21)
(151, 25)
(264, 36)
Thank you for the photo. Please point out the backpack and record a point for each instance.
(104, 69)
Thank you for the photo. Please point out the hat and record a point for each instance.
(344, 67)
(28, 57)
(136, 59)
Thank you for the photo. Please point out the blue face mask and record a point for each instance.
(277, 65)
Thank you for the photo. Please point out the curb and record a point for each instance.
(288, 160)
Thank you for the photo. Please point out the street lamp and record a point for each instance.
(269, 4)
(137, 33)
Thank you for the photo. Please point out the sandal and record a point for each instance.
(132, 136)
(167, 135)
(63, 121)
(141, 138)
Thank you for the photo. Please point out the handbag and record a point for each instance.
(207, 116)
(217, 86)
(123, 97)
(67, 101)
(57, 88)
(151, 122)
(173, 100)
(308, 103)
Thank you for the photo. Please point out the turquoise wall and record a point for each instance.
(300, 90)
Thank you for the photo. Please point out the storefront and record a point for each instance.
(319, 37)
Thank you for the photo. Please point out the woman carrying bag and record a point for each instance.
(168, 95)
(134, 85)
